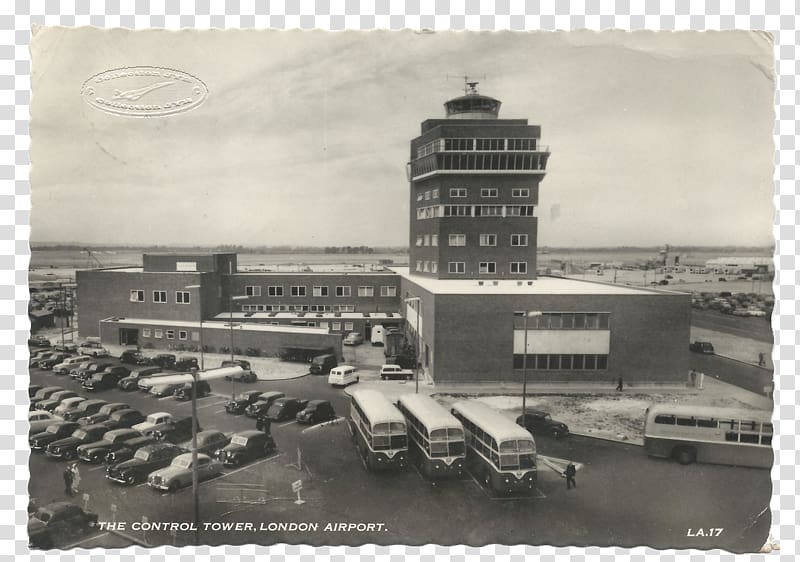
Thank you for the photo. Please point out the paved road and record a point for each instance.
(750, 377)
(624, 498)
(746, 327)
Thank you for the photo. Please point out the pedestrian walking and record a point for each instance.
(263, 423)
(570, 474)
(68, 477)
(761, 361)
(619, 384)
(76, 478)
(693, 376)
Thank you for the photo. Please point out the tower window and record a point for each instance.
(319, 291)
(458, 192)
(160, 296)
(521, 192)
(519, 239)
(273, 291)
(456, 267)
(434, 267)
(489, 192)
(487, 267)
(427, 240)
(343, 291)
(419, 240)
(435, 193)
(457, 240)
(519, 267)
(252, 291)
(366, 291)
(298, 290)
(488, 239)
(434, 239)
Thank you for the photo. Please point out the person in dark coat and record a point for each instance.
(619, 384)
(68, 477)
(570, 474)
(263, 423)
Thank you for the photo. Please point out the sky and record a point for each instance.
(655, 137)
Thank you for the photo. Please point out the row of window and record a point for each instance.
(462, 144)
(320, 291)
(386, 437)
(158, 334)
(521, 162)
(460, 192)
(737, 431)
(181, 297)
(437, 211)
(570, 321)
(517, 240)
(460, 267)
(298, 308)
(562, 362)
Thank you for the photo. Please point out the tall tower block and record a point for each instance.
(474, 189)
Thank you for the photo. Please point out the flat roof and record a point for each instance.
(309, 315)
(217, 325)
(539, 286)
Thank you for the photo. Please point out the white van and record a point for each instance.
(376, 335)
(343, 375)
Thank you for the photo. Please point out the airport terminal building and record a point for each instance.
(470, 299)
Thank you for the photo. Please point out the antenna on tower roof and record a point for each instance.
(469, 85)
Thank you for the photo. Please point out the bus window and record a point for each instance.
(380, 442)
(686, 421)
(439, 449)
(509, 462)
(712, 423)
(525, 446)
(396, 426)
(508, 447)
(527, 461)
(731, 436)
(665, 419)
(456, 448)
(380, 429)
(766, 439)
(398, 441)
(439, 435)
(456, 433)
(748, 438)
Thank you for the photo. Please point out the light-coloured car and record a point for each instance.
(154, 422)
(179, 473)
(68, 404)
(93, 348)
(39, 415)
(68, 364)
(353, 338)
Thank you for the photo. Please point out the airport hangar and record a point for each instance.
(474, 181)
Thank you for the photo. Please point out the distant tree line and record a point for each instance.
(349, 250)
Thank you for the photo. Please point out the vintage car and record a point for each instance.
(124, 418)
(83, 374)
(263, 403)
(112, 440)
(85, 408)
(175, 431)
(93, 419)
(186, 363)
(317, 411)
(132, 357)
(164, 360)
(208, 441)
(145, 460)
(536, 421)
(40, 356)
(67, 364)
(702, 347)
(33, 389)
(131, 381)
(92, 348)
(353, 338)
(285, 408)
(184, 392)
(246, 375)
(67, 405)
(154, 421)
(245, 446)
(59, 520)
(67, 448)
(38, 341)
(53, 432)
(42, 415)
(55, 399)
(161, 389)
(179, 473)
(106, 379)
(128, 449)
(45, 393)
(52, 361)
(239, 404)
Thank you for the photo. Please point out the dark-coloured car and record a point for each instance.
(51, 361)
(80, 367)
(38, 341)
(164, 389)
(176, 431)
(239, 404)
(44, 394)
(244, 447)
(113, 407)
(93, 419)
(536, 421)
(81, 374)
(316, 411)
(164, 360)
(125, 418)
(67, 448)
(54, 432)
(112, 440)
(131, 357)
(56, 521)
(285, 408)
(247, 374)
(85, 408)
(702, 347)
(145, 460)
(322, 364)
(263, 403)
(33, 389)
(127, 451)
(40, 356)
(186, 363)
(55, 399)
(208, 441)
(132, 380)
(184, 392)
(106, 379)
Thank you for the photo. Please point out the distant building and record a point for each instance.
(741, 266)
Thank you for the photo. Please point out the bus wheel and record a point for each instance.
(685, 455)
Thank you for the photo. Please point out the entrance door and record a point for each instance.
(128, 336)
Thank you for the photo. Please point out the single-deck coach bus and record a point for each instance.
(435, 436)
(712, 435)
(379, 430)
(500, 454)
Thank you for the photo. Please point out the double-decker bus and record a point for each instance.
(500, 454)
(379, 431)
(435, 436)
(711, 435)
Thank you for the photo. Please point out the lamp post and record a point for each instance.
(230, 309)
(200, 303)
(525, 315)
(195, 478)
(418, 343)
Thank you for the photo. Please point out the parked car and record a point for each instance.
(81, 374)
(184, 392)
(536, 421)
(131, 357)
(66, 347)
(164, 360)
(103, 414)
(130, 382)
(285, 408)
(52, 361)
(44, 394)
(85, 408)
(263, 403)
(144, 461)
(353, 338)
(93, 419)
(67, 364)
(125, 418)
(244, 447)
(317, 411)
(67, 448)
(53, 432)
(38, 341)
(106, 379)
(37, 358)
(247, 374)
(702, 347)
(208, 442)
(164, 388)
(239, 404)
(175, 431)
(33, 389)
(180, 472)
(58, 520)
(55, 399)
(67, 405)
(113, 407)
(395, 372)
(186, 363)
(322, 364)
(92, 348)
(343, 375)
(127, 451)
(112, 440)
(154, 422)
(40, 415)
